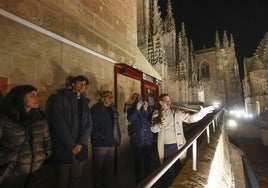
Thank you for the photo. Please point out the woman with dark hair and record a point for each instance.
(24, 139)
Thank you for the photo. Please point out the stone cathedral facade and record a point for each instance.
(255, 80)
(191, 77)
(46, 41)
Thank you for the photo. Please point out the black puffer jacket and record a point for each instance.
(29, 145)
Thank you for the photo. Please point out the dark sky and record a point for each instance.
(246, 20)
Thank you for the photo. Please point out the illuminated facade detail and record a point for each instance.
(255, 80)
(189, 76)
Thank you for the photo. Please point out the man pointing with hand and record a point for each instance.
(168, 123)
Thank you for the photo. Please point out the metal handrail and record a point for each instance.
(150, 180)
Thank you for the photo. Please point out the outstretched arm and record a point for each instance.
(191, 118)
(206, 110)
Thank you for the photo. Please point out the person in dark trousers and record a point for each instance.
(106, 136)
(141, 137)
(24, 139)
(70, 125)
(168, 123)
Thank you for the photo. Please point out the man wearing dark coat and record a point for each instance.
(70, 124)
(106, 136)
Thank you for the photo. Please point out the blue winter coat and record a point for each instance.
(65, 129)
(140, 128)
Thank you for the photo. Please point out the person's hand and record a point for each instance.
(76, 149)
(139, 105)
(163, 122)
(206, 110)
(145, 105)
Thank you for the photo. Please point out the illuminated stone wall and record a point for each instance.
(256, 79)
(219, 164)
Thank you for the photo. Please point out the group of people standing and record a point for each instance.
(31, 139)
(167, 123)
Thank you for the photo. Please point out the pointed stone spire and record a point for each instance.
(231, 41)
(183, 28)
(183, 34)
(169, 21)
(155, 17)
(217, 40)
(191, 52)
(178, 56)
(179, 40)
(191, 46)
(262, 49)
(225, 40)
(151, 14)
(179, 48)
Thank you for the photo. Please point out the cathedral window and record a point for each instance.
(205, 70)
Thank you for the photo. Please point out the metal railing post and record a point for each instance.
(213, 124)
(208, 134)
(194, 148)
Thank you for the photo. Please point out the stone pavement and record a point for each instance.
(247, 137)
(257, 154)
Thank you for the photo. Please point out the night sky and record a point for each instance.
(246, 20)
